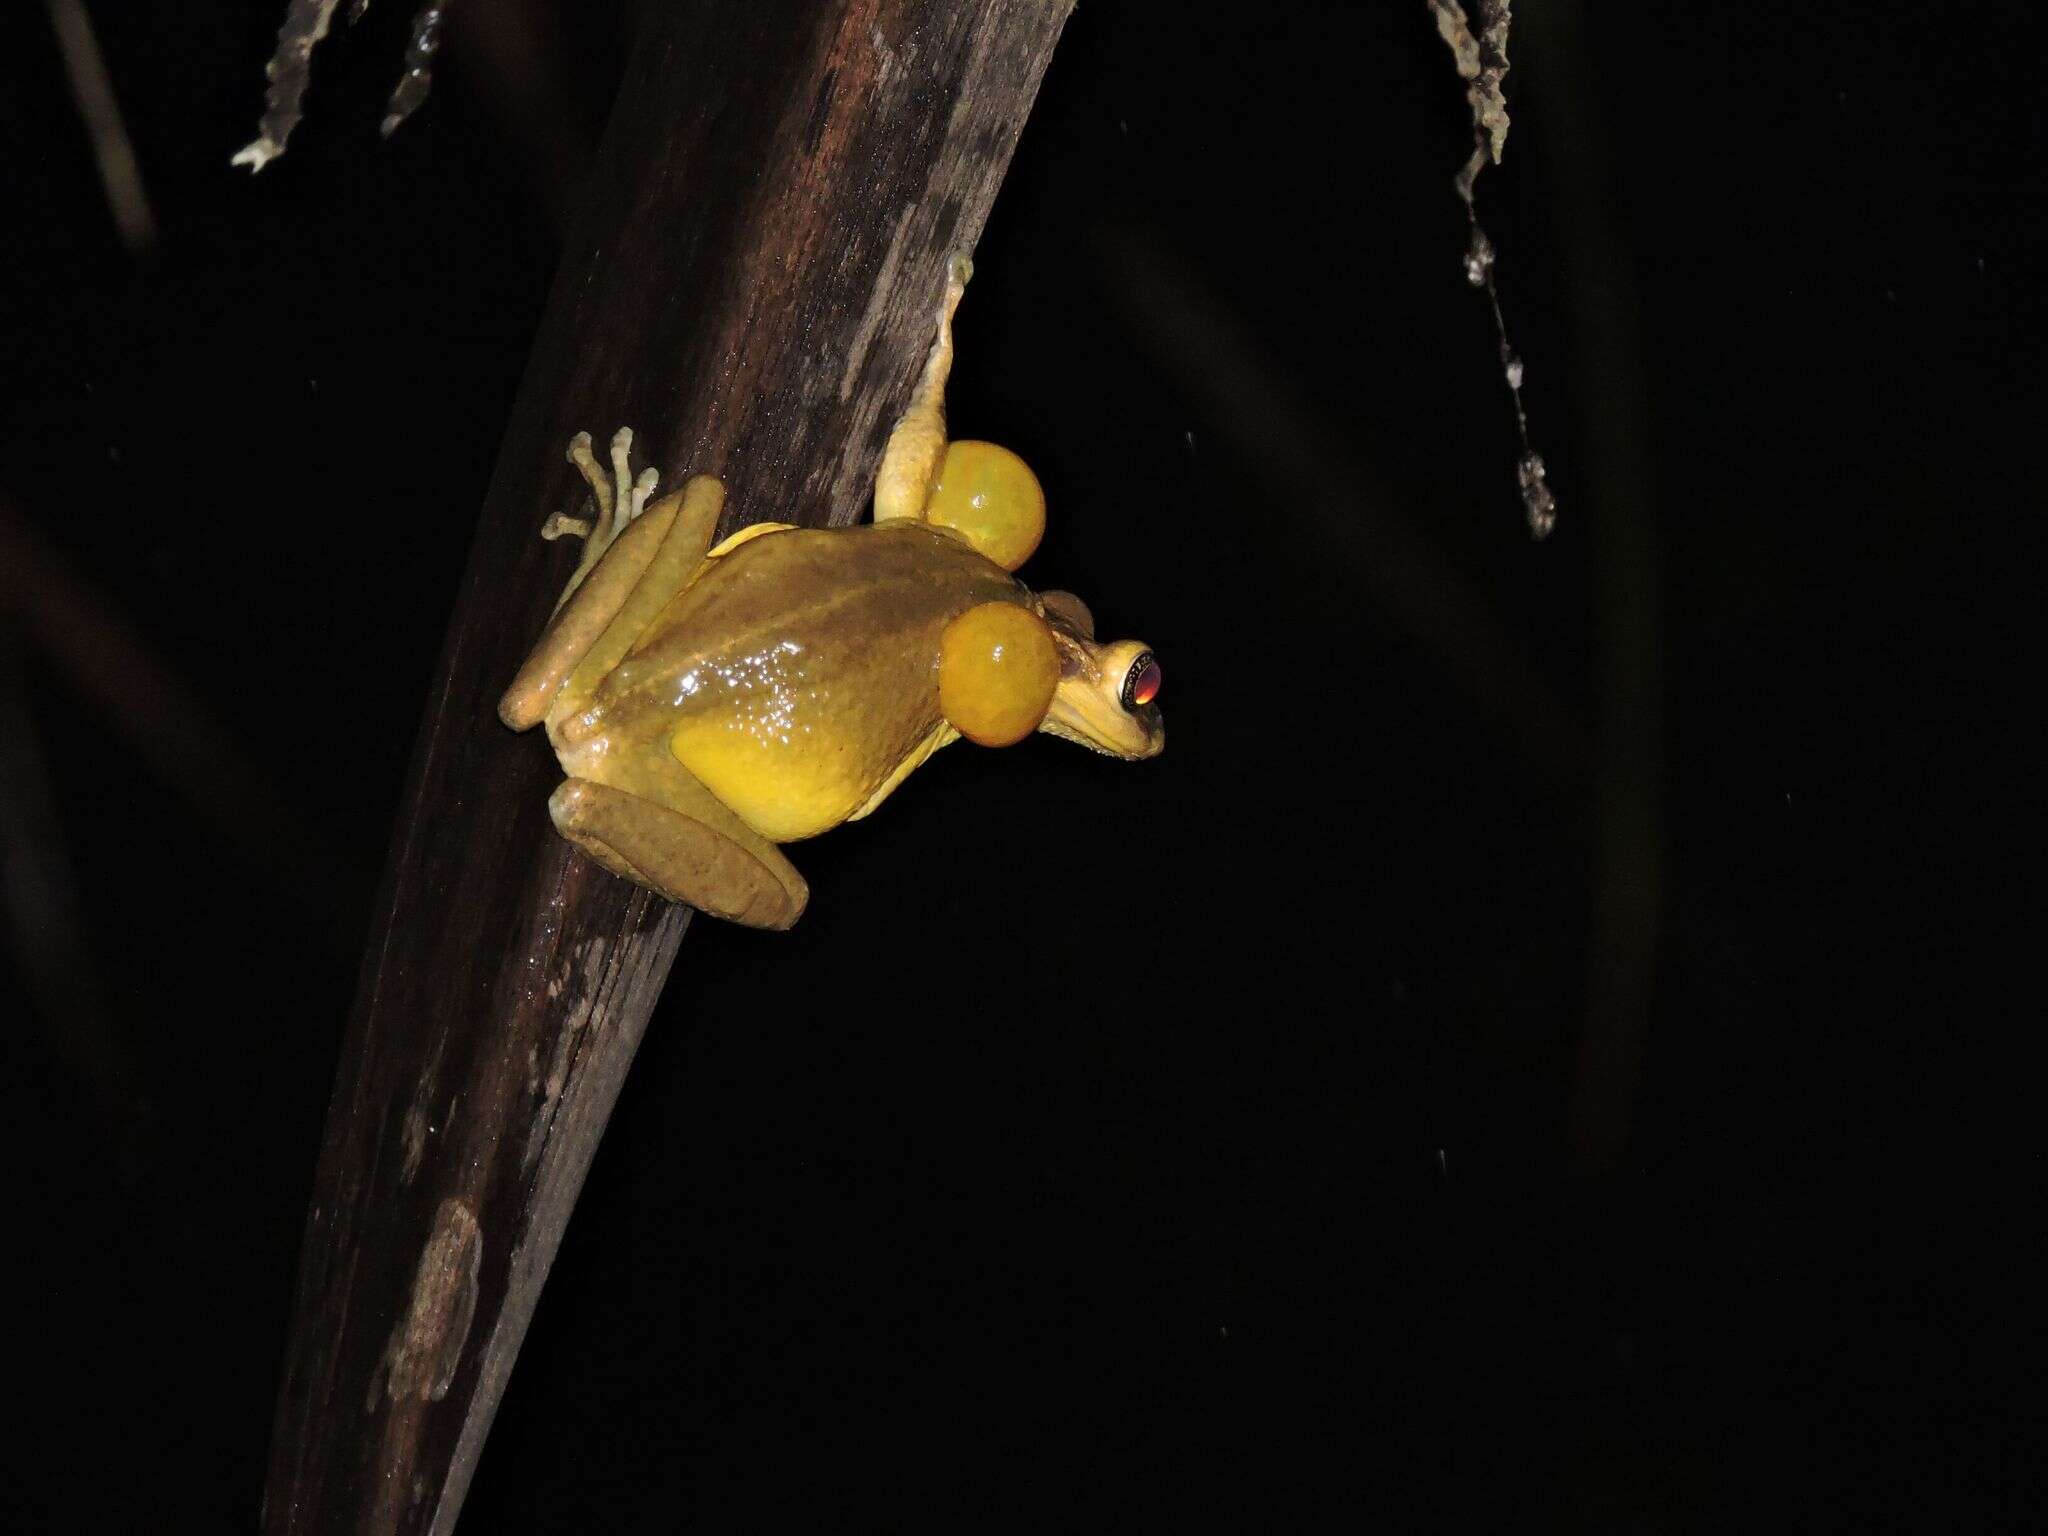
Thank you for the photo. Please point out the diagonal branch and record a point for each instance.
(750, 289)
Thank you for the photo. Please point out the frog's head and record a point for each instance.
(1107, 695)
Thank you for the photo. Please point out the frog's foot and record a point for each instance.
(619, 498)
(729, 872)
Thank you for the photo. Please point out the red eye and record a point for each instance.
(1141, 684)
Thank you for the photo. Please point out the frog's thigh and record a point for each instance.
(672, 834)
(643, 567)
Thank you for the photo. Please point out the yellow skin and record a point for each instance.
(708, 704)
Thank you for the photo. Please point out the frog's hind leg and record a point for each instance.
(656, 554)
(653, 822)
(981, 491)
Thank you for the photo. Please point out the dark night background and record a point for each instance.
(1495, 1071)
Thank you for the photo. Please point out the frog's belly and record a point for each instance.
(779, 781)
(798, 676)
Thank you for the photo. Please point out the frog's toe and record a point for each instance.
(676, 856)
(629, 494)
(619, 494)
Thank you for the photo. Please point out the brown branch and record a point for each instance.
(750, 288)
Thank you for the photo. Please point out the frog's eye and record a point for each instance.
(998, 667)
(992, 499)
(1141, 683)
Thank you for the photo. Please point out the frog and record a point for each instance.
(709, 703)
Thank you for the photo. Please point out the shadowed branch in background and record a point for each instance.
(77, 639)
(47, 944)
(88, 645)
(93, 90)
(750, 286)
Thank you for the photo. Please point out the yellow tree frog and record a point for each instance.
(708, 704)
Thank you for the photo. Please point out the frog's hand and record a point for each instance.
(983, 492)
(917, 444)
(658, 554)
(657, 825)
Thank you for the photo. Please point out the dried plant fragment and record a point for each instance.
(305, 24)
(1482, 62)
(418, 77)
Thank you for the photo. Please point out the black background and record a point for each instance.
(1112, 1139)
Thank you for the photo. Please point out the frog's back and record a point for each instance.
(800, 670)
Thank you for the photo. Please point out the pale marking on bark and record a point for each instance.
(587, 971)
(885, 59)
(640, 958)
(426, 1344)
(892, 67)
(878, 305)
(415, 1136)
(417, 1125)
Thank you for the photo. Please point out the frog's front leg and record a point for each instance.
(983, 492)
(645, 816)
(917, 443)
(647, 556)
